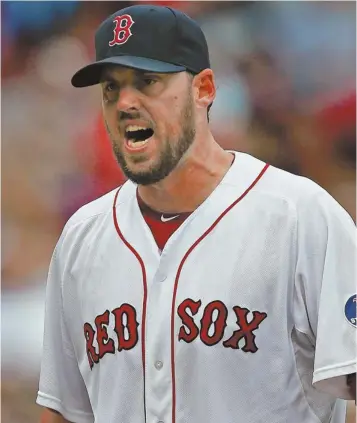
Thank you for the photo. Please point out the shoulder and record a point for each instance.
(310, 199)
(294, 188)
(298, 190)
(88, 223)
(93, 210)
(304, 196)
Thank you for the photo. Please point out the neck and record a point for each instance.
(191, 182)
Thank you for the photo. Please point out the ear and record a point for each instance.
(204, 88)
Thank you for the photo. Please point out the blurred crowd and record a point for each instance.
(286, 94)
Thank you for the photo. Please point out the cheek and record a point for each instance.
(176, 105)
(110, 122)
(171, 121)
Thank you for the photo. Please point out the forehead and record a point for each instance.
(120, 73)
(117, 72)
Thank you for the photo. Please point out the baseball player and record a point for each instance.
(210, 287)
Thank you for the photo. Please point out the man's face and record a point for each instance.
(150, 120)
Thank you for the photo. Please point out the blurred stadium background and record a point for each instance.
(286, 94)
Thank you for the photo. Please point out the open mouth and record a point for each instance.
(137, 136)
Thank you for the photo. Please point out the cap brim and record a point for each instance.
(91, 74)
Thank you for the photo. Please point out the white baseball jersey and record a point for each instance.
(244, 317)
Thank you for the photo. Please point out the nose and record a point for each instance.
(128, 99)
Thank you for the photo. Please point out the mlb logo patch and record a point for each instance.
(350, 310)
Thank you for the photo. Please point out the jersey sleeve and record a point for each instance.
(325, 287)
(61, 385)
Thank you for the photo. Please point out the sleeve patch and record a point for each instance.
(350, 310)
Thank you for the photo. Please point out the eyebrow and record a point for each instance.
(107, 77)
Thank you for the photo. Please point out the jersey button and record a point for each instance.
(158, 366)
(161, 277)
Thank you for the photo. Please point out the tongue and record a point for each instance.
(136, 144)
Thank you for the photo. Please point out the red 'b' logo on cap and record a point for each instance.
(122, 31)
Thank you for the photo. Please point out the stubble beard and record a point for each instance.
(170, 155)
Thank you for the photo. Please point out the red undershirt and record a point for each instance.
(162, 225)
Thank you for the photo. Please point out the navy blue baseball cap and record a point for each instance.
(149, 38)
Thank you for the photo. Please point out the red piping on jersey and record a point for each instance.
(143, 318)
(189, 251)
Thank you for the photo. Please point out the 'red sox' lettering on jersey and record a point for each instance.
(98, 343)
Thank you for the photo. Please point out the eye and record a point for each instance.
(149, 81)
(110, 87)
(110, 91)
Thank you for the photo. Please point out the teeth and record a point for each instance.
(137, 144)
(131, 128)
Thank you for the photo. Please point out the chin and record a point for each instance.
(143, 178)
(146, 175)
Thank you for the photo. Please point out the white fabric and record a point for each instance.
(285, 253)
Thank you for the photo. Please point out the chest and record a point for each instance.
(209, 282)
